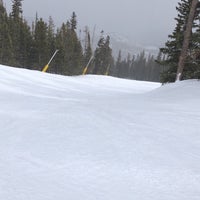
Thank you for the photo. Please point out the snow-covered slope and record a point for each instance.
(96, 137)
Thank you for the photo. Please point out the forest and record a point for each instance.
(31, 46)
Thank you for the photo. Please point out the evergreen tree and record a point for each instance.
(140, 63)
(158, 69)
(173, 46)
(124, 66)
(70, 56)
(103, 56)
(61, 44)
(132, 71)
(74, 51)
(20, 35)
(51, 45)
(15, 23)
(186, 40)
(41, 55)
(51, 36)
(6, 48)
(73, 22)
(118, 64)
(25, 45)
(149, 68)
(16, 9)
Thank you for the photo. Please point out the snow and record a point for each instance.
(97, 137)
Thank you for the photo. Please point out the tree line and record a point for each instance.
(31, 46)
(139, 67)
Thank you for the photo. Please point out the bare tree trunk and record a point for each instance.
(186, 40)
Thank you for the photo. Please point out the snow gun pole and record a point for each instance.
(107, 70)
(92, 57)
(86, 68)
(47, 65)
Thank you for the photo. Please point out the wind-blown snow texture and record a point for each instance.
(97, 138)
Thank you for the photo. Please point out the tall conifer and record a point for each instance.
(103, 55)
(6, 48)
(173, 46)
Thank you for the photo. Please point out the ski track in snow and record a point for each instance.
(96, 137)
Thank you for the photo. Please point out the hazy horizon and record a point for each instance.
(147, 23)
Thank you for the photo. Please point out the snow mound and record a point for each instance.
(183, 91)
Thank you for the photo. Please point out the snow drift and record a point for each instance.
(95, 137)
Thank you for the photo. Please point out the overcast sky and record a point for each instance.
(145, 22)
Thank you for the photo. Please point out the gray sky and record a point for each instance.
(145, 22)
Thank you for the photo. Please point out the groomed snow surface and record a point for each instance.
(97, 138)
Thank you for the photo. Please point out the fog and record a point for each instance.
(144, 22)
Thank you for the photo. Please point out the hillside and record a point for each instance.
(96, 137)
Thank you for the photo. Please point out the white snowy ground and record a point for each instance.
(97, 138)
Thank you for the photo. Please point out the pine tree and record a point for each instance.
(103, 56)
(6, 48)
(118, 64)
(41, 55)
(186, 40)
(25, 45)
(51, 36)
(132, 71)
(51, 45)
(140, 64)
(61, 44)
(70, 57)
(173, 46)
(20, 35)
(74, 51)
(16, 9)
(15, 25)
(124, 67)
(73, 22)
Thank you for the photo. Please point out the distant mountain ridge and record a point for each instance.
(123, 43)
